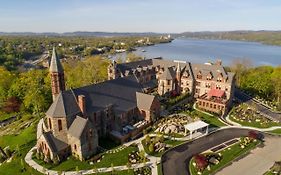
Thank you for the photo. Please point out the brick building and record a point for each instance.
(77, 118)
(209, 84)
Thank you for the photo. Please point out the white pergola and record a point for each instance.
(195, 126)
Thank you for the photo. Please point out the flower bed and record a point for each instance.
(210, 162)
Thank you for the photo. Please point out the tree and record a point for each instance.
(6, 80)
(147, 139)
(132, 57)
(276, 80)
(33, 88)
(12, 104)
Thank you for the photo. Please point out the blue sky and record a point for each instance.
(139, 15)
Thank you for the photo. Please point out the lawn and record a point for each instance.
(26, 136)
(159, 154)
(124, 172)
(228, 155)
(159, 169)
(115, 159)
(213, 121)
(276, 131)
(173, 142)
(25, 141)
(255, 124)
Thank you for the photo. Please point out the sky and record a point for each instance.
(168, 16)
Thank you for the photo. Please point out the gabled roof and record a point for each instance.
(55, 65)
(64, 105)
(144, 101)
(216, 93)
(119, 93)
(54, 144)
(77, 127)
(168, 74)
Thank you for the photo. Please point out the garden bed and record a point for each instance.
(108, 159)
(223, 157)
(248, 116)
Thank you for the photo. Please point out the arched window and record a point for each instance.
(60, 125)
(50, 124)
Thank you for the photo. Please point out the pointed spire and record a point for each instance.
(55, 65)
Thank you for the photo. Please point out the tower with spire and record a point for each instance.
(57, 75)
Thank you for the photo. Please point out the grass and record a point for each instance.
(4, 116)
(115, 159)
(27, 135)
(124, 172)
(254, 124)
(159, 169)
(25, 141)
(173, 143)
(276, 131)
(213, 121)
(228, 155)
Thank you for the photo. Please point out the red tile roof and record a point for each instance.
(216, 93)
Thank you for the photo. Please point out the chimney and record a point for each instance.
(82, 103)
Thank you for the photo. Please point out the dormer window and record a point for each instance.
(218, 86)
(199, 75)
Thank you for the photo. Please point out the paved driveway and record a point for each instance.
(176, 161)
(259, 161)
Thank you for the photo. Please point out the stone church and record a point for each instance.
(117, 108)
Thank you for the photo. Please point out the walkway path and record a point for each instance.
(36, 166)
(259, 161)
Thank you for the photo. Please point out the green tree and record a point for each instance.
(6, 80)
(133, 57)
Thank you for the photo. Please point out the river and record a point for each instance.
(203, 50)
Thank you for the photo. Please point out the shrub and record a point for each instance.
(147, 140)
(37, 155)
(201, 162)
(151, 148)
(56, 160)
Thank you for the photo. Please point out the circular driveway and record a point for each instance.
(176, 160)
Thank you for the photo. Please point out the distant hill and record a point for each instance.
(265, 37)
(81, 33)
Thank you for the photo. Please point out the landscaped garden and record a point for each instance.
(211, 119)
(249, 116)
(157, 145)
(173, 125)
(211, 161)
(117, 157)
(275, 169)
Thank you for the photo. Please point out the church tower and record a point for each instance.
(57, 75)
